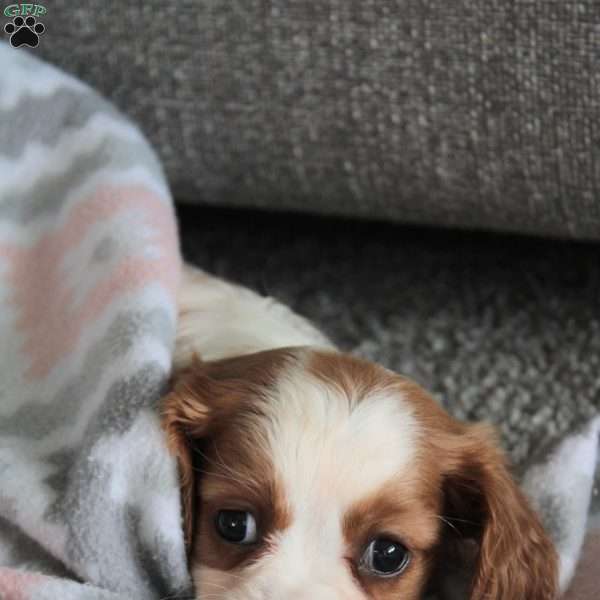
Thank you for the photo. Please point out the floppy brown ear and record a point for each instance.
(185, 417)
(203, 397)
(515, 559)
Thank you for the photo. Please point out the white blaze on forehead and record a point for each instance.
(330, 451)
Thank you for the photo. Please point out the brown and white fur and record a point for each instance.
(329, 452)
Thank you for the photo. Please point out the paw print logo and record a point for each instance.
(24, 32)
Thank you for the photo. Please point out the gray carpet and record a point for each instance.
(499, 328)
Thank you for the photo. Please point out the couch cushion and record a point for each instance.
(476, 114)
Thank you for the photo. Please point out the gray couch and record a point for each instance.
(479, 113)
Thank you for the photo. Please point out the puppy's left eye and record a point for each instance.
(384, 557)
(236, 526)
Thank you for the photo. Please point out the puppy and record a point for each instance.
(307, 474)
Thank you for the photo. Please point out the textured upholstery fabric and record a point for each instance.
(480, 113)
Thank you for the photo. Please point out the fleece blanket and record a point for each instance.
(89, 266)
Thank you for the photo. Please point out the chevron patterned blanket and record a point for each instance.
(89, 267)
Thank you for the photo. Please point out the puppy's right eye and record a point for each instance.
(236, 526)
(384, 557)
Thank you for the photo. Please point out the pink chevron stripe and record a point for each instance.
(49, 317)
(16, 585)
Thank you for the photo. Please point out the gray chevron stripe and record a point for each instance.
(35, 420)
(160, 564)
(85, 490)
(64, 110)
(24, 550)
(50, 191)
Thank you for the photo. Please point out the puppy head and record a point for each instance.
(314, 475)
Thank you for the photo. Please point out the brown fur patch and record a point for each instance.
(235, 491)
(482, 502)
(468, 478)
(206, 400)
(353, 376)
(404, 513)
